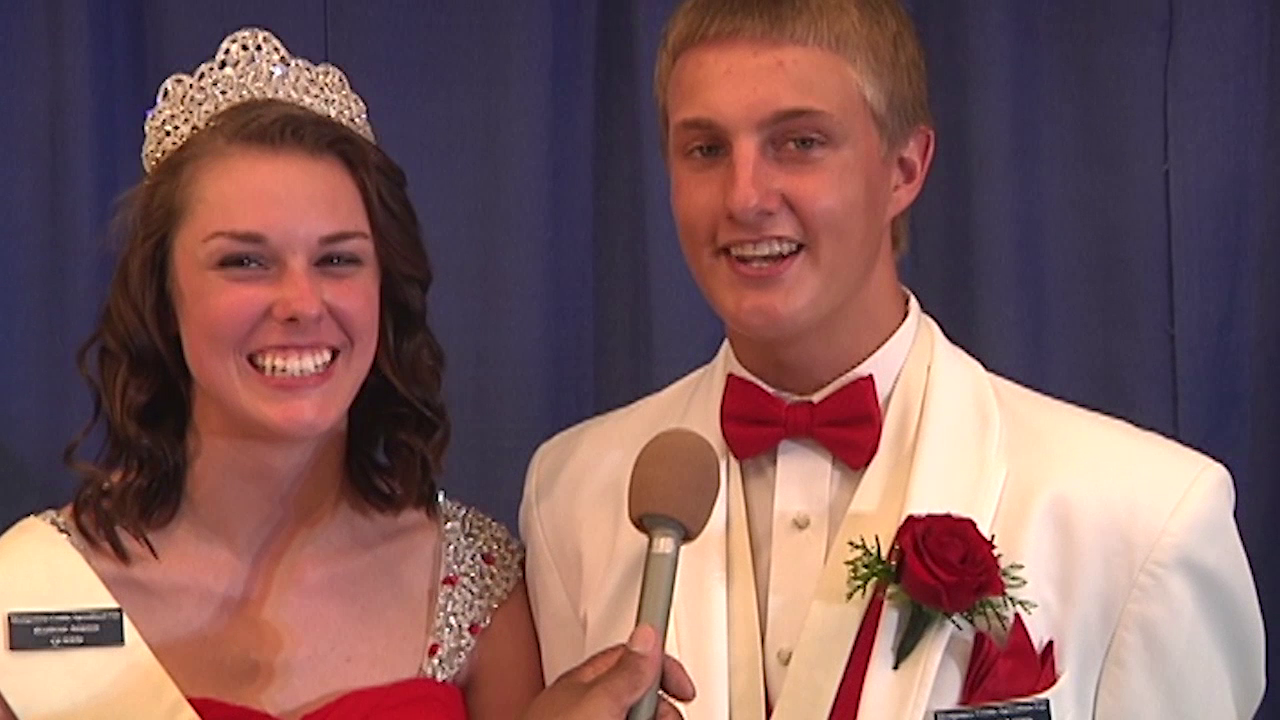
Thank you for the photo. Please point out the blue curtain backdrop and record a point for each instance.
(1100, 223)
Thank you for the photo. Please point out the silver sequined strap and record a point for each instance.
(60, 523)
(481, 565)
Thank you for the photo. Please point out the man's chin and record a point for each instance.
(763, 331)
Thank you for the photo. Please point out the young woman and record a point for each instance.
(261, 535)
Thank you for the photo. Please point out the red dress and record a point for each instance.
(413, 699)
(480, 566)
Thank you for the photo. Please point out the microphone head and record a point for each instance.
(676, 477)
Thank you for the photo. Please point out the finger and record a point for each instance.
(668, 711)
(635, 671)
(676, 681)
(596, 665)
(642, 639)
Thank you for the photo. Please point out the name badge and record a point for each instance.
(1037, 709)
(66, 629)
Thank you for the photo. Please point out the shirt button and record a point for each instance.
(800, 521)
(784, 657)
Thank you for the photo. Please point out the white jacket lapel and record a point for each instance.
(928, 462)
(958, 468)
(822, 652)
(746, 672)
(698, 633)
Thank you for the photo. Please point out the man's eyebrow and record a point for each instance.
(796, 113)
(696, 123)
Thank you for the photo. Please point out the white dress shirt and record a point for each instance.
(796, 498)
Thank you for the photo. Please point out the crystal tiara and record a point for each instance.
(251, 64)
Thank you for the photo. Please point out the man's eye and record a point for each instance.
(706, 150)
(802, 143)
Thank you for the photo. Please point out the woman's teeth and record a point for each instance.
(292, 363)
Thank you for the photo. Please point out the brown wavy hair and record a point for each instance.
(138, 377)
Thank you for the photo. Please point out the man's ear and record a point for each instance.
(910, 167)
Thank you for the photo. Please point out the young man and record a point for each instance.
(797, 135)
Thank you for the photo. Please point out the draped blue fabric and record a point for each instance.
(1100, 223)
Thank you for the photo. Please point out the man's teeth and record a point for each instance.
(771, 249)
(292, 363)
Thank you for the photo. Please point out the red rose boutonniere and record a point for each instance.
(941, 566)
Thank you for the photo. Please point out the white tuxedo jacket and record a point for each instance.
(1128, 541)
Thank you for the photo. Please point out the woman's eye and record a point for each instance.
(340, 260)
(238, 261)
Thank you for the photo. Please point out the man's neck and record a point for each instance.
(803, 366)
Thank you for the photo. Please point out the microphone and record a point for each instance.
(674, 485)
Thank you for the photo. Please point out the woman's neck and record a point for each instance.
(247, 494)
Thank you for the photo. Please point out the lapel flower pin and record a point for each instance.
(941, 566)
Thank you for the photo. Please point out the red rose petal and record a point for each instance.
(946, 563)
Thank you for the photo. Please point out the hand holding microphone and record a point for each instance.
(606, 685)
(674, 485)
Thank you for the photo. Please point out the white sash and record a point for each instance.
(40, 571)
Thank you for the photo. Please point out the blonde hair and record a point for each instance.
(876, 37)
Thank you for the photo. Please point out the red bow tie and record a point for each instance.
(846, 422)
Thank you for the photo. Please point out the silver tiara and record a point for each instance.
(251, 64)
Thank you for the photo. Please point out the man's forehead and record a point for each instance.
(765, 65)
(767, 83)
(748, 49)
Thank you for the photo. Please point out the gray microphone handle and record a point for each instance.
(665, 538)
